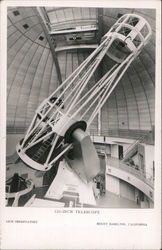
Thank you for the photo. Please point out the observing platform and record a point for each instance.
(117, 168)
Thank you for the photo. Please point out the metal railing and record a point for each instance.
(125, 133)
(16, 130)
(145, 177)
(122, 133)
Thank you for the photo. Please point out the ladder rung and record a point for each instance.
(38, 154)
(35, 158)
(40, 151)
(42, 148)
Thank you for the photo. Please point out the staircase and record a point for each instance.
(132, 149)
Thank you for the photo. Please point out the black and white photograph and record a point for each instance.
(80, 125)
(80, 107)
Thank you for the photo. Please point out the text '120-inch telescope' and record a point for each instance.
(58, 127)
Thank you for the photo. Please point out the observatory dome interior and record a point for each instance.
(45, 45)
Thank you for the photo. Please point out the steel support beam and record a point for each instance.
(74, 30)
(100, 24)
(100, 69)
(51, 44)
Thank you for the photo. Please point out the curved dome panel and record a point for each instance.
(30, 66)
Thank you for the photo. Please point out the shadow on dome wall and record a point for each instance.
(89, 141)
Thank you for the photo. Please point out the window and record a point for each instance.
(16, 13)
(41, 38)
(26, 26)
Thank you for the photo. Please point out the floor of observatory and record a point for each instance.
(109, 200)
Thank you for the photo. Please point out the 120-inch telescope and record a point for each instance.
(61, 120)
